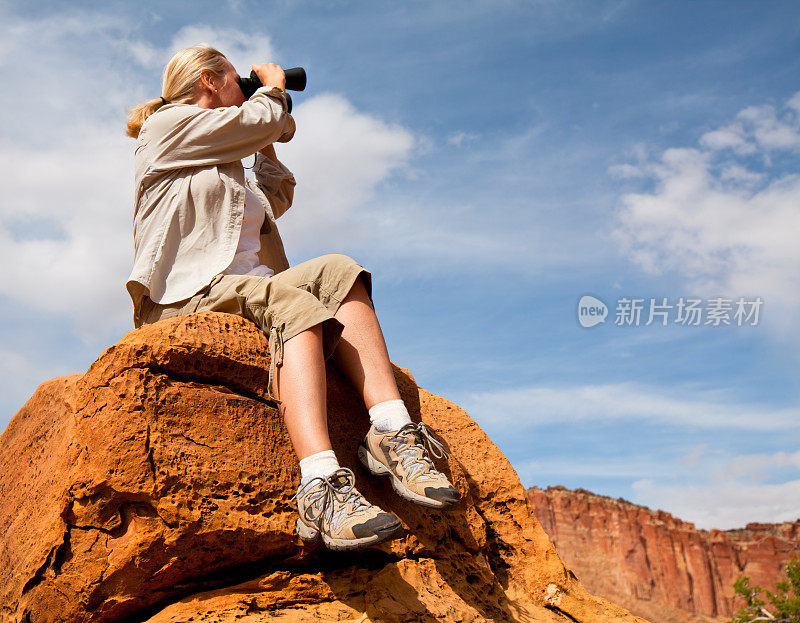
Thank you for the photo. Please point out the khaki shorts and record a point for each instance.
(282, 305)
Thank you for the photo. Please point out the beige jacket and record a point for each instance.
(190, 192)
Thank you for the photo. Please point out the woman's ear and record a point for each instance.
(207, 81)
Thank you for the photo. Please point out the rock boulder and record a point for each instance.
(156, 487)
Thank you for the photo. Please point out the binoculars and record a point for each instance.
(295, 81)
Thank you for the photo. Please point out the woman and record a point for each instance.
(206, 239)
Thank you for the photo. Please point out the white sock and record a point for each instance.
(389, 415)
(318, 465)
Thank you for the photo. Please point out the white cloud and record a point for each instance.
(740, 175)
(415, 240)
(717, 219)
(625, 467)
(758, 128)
(731, 137)
(147, 55)
(461, 137)
(794, 102)
(81, 188)
(769, 129)
(241, 49)
(626, 171)
(339, 157)
(759, 466)
(537, 405)
(727, 506)
(345, 160)
(715, 489)
(20, 375)
(65, 216)
(26, 371)
(707, 485)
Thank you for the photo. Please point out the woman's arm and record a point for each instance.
(189, 136)
(274, 179)
(269, 152)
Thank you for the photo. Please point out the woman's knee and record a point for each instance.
(340, 261)
(360, 287)
(345, 266)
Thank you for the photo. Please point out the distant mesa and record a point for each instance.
(654, 564)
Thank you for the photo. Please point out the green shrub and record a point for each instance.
(784, 603)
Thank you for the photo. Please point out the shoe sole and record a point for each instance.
(376, 468)
(309, 534)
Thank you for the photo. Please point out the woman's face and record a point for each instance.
(228, 93)
(226, 90)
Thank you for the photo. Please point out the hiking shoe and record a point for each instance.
(403, 455)
(331, 508)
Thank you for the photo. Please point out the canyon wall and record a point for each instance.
(654, 564)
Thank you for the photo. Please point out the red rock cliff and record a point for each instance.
(654, 564)
(157, 487)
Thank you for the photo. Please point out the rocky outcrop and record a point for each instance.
(654, 564)
(157, 487)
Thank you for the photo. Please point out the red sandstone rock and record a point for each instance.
(157, 487)
(654, 564)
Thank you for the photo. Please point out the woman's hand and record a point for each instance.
(271, 75)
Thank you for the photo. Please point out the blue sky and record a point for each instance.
(490, 163)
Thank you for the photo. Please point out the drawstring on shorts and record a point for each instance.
(275, 355)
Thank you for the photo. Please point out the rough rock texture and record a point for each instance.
(656, 565)
(156, 487)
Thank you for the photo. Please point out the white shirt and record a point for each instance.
(245, 260)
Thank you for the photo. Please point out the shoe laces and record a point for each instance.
(336, 487)
(422, 438)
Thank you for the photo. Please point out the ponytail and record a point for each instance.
(178, 85)
(138, 114)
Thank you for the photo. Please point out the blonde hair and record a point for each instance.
(180, 77)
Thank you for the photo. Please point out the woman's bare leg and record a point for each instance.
(362, 354)
(302, 391)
